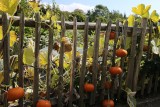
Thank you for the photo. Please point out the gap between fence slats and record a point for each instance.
(113, 58)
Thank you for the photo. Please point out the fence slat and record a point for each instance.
(50, 47)
(95, 61)
(73, 66)
(104, 63)
(60, 85)
(36, 65)
(131, 58)
(114, 56)
(6, 52)
(20, 55)
(83, 66)
(139, 55)
(123, 45)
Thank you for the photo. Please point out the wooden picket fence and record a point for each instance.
(134, 57)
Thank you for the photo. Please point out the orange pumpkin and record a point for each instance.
(88, 87)
(112, 35)
(121, 53)
(108, 103)
(43, 103)
(145, 48)
(115, 70)
(107, 85)
(15, 93)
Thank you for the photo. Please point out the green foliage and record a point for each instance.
(99, 12)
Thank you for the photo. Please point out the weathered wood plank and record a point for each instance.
(50, 47)
(131, 58)
(73, 66)
(6, 53)
(83, 66)
(20, 55)
(36, 64)
(69, 25)
(95, 61)
(60, 85)
(139, 55)
(104, 62)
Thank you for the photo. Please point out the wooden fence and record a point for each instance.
(133, 64)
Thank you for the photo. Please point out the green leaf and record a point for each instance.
(43, 55)
(9, 6)
(141, 10)
(13, 38)
(1, 77)
(34, 5)
(28, 56)
(131, 20)
(154, 16)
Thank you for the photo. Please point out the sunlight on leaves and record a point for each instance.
(34, 6)
(43, 55)
(141, 10)
(13, 38)
(146, 15)
(28, 56)
(154, 16)
(1, 77)
(131, 20)
(9, 6)
(1, 33)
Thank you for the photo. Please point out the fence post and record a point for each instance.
(50, 47)
(95, 61)
(139, 55)
(104, 63)
(6, 53)
(20, 55)
(131, 58)
(83, 66)
(36, 64)
(61, 69)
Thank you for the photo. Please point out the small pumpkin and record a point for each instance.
(121, 53)
(112, 35)
(145, 48)
(43, 103)
(115, 70)
(88, 87)
(15, 93)
(107, 85)
(108, 103)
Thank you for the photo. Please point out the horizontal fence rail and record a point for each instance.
(69, 25)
